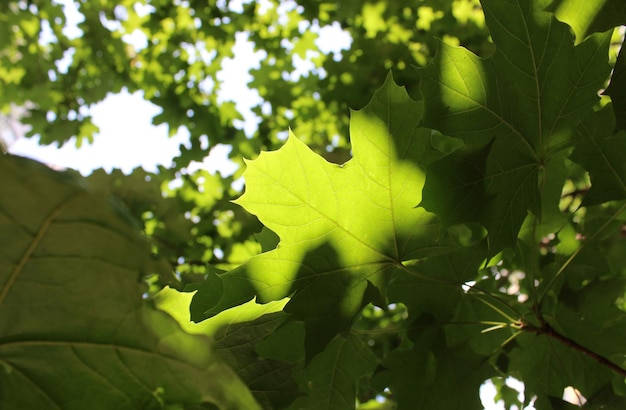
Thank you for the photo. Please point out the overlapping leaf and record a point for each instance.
(548, 367)
(341, 228)
(525, 100)
(74, 330)
(331, 379)
(617, 89)
(602, 153)
(424, 379)
(590, 16)
(237, 332)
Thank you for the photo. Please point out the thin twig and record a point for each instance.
(546, 329)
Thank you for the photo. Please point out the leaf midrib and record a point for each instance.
(43, 229)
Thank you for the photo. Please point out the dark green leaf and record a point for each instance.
(75, 330)
(526, 98)
(601, 153)
(617, 90)
(329, 380)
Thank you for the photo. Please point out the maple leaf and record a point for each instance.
(342, 228)
(348, 359)
(76, 332)
(602, 153)
(526, 101)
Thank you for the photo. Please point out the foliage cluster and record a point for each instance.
(470, 228)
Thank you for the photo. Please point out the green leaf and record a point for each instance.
(341, 228)
(439, 290)
(547, 367)
(526, 98)
(425, 376)
(617, 89)
(590, 317)
(455, 186)
(408, 374)
(606, 398)
(76, 332)
(590, 16)
(601, 153)
(286, 343)
(237, 333)
(270, 381)
(330, 378)
(177, 305)
(484, 338)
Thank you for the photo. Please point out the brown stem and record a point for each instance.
(549, 331)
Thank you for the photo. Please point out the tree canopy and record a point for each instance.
(439, 204)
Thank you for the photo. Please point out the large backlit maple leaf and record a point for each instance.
(342, 228)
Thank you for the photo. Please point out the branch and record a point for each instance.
(549, 331)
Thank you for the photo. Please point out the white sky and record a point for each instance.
(127, 138)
